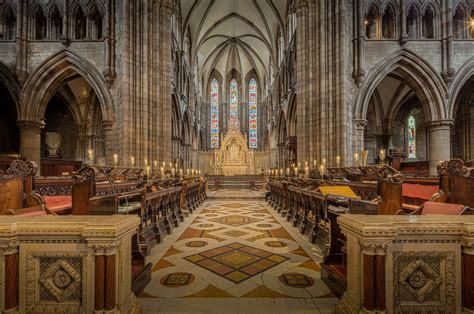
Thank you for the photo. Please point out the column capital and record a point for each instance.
(360, 123)
(108, 125)
(35, 126)
(445, 124)
(9, 248)
(370, 247)
(104, 248)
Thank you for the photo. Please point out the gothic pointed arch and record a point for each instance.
(416, 72)
(52, 74)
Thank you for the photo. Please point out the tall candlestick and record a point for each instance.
(132, 161)
(148, 171)
(356, 159)
(306, 164)
(321, 170)
(324, 161)
(382, 155)
(288, 171)
(115, 160)
(164, 164)
(155, 164)
(315, 164)
(338, 161)
(90, 154)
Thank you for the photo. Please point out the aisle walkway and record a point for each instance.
(236, 256)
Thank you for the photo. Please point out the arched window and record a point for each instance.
(372, 23)
(412, 22)
(56, 23)
(428, 22)
(388, 23)
(234, 104)
(79, 24)
(96, 19)
(40, 24)
(253, 94)
(10, 24)
(214, 113)
(459, 18)
(471, 25)
(411, 128)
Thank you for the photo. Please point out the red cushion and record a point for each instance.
(432, 208)
(136, 270)
(420, 191)
(58, 202)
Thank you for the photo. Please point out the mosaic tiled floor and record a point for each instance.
(236, 249)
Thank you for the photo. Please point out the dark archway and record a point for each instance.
(462, 137)
(9, 132)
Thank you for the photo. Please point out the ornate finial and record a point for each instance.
(86, 174)
(22, 168)
(388, 174)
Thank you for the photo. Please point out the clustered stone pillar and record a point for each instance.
(30, 140)
(440, 143)
(373, 284)
(360, 125)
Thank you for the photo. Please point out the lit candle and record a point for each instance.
(299, 165)
(281, 172)
(162, 170)
(115, 160)
(148, 171)
(155, 164)
(315, 164)
(187, 172)
(132, 161)
(324, 161)
(356, 159)
(306, 170)
(164, 164)
(288, 171)
(180, 172)
(306, 164)
(296, 171)
(338, 161)
(171, 165)
(90, 153)
(173, 172)
(146, 162)
(382, 155)
(321, 170)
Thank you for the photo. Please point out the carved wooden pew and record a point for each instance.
(16, 194)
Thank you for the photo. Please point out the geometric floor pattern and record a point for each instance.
(237, 249)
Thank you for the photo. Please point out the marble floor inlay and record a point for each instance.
(236, 249)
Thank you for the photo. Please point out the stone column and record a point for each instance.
(105, 278)
(359, 127)
(110, 147)
(9, 257)
(373, 281)
(30, 141)
(468, 277)
(439, 143)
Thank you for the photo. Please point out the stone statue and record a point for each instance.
(53, 142)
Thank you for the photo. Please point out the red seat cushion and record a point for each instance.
(58, 202)
(432, 208)
(420, 191)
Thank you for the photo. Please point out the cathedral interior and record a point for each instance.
(237, 156)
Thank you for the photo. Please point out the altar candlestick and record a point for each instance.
(356, 159)
(155, 164)
(288, 171)
(115, 160)
(338, 161)
(132, 161)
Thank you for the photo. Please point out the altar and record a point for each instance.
(234, 156)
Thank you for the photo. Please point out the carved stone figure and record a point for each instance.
(53, 142)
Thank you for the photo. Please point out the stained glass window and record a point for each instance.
(411, 137)
(253, 113)
(214, 114)
(234, 104)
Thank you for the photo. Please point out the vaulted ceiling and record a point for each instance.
(229, 34)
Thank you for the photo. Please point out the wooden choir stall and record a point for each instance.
(315, 205)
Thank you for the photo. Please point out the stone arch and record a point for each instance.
(51, 74)
(465, 72)
(9, 80)
(417, 73)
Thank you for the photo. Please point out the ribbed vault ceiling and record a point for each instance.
(228, 34)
